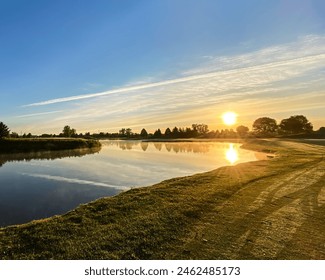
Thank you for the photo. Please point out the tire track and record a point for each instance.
(260, 220)
(279, 215)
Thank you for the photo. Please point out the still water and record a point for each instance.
(40, 185)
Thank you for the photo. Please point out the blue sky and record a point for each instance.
(104, 65)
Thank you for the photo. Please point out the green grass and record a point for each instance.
(19, 145)
(257, 210)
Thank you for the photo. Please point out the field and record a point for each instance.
(271, 209)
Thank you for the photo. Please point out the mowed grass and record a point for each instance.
(258, 210)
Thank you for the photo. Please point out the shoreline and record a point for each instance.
(174, 217)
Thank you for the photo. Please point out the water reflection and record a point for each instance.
(158, 146)
(123, 145)
(144, 146)
(46, 155)
(231, 154)
(24, 196)
(176, 147)
(23, 199)
(38, 185)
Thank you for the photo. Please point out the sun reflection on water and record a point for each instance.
(231, 154)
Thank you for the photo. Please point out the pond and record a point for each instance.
(43, 184)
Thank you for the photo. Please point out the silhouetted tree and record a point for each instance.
(200, 129)
(321, 131)
(46, 135)
(122, 132)
(213, 134)
(128, 132)
(181, 132)
(265, 126)
(175, 132)
(14, 135)
(168, 132)
(228, 133)
(144, 133)
(157, 133)
(188, 132)
(296, 124)
(242, 130)
(217, 134)
(4, 130)
(68, 131)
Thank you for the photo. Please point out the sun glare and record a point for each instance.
(231, 154)
(229, 118)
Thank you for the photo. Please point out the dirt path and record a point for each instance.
(277, 217)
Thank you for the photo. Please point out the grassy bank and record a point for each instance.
(19, 145)
(258, 210)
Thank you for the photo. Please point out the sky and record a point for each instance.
(103, 65)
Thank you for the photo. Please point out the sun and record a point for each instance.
(229, 118)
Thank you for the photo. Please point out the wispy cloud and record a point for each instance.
(133, 88)
(292, 71)
(38, 114)
(306, 46)
(250, 69)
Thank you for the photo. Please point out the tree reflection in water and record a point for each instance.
(144, 146)
(176, 147)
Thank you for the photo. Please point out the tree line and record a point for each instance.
(297, 125)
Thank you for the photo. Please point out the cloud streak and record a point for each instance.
(120, 90)
(285, 72)
(38, 114)
(241, 77)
